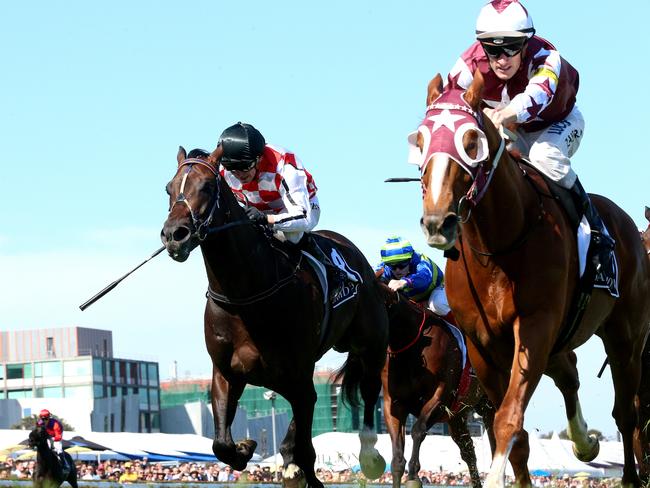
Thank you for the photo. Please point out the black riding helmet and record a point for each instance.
(242, 145)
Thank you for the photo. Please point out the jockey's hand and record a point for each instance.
(256, 216)
(397, 284)
(504, 116)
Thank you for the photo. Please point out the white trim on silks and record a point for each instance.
(584, 237)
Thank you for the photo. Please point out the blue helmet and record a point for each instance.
(396, 250)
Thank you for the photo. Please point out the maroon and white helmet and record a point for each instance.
(505, 21)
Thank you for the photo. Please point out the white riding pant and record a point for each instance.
(58, 446)
(438, 301)
(550, 149)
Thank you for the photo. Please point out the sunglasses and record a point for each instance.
(495, 52)
(402, 265)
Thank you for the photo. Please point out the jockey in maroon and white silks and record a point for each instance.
(284, 188)
(541, 92)
(538, 92)
(527, 82)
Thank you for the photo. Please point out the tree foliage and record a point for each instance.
(28, 423)
(599, 435)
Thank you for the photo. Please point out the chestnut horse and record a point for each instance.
(422, 377)
(513, 283)
(264, 321)
(48, 472)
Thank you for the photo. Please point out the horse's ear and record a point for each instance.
(434, 89)
(215, 155)
(474, 92)
(647, 213)
(182, 155)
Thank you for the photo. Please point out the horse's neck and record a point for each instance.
(510, 199)
(236, 257)
(408, 321)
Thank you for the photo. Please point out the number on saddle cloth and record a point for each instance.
(342, 280)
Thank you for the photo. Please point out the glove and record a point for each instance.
(256, 216)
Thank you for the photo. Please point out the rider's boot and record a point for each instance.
(602, 241)
(64, 462)
(336, 276)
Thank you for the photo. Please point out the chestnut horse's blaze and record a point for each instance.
(511, 294)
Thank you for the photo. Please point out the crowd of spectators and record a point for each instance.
(145, 471)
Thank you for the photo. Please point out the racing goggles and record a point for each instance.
(401, 265)
(495, 51)
(239, 165)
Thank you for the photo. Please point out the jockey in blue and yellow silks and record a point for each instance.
(417, 276)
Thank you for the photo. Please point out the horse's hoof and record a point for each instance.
(591, 453)
(372, 464)
(293, 477)
(413, 484)
(245, 450)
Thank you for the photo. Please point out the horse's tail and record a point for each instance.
(351, 374)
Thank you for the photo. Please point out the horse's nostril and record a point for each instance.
(449, 223)
(180, 234)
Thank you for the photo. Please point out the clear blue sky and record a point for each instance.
(97, 97)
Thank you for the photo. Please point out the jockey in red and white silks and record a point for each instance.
(540, 94)
(283, 188)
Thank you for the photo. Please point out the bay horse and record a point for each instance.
(423, 376)
(264, 318)
(512, 284)
(48, 472)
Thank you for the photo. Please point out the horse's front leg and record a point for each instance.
(529, 360)
(225, 396)
(395, 417)
(419, 432)
(297, 450)
(462, 438)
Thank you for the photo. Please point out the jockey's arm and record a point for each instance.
(422, 276)
(296, 215)
(540, 90)
(57, 430)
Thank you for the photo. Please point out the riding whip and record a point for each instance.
(400, 180)
(89, 302)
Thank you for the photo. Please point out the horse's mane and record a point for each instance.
(198, 153)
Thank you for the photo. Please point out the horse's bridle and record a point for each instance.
(202, 227)
(481, 174)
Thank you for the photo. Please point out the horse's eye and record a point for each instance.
(167, 190)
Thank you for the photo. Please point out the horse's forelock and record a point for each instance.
(198, 153)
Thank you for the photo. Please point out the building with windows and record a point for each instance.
(72, 372)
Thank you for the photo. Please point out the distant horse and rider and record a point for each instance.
(48, 472)
(514, 282)
(267, 320)
(428, 375)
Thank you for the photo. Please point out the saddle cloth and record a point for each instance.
(349, 287)
(607, 277)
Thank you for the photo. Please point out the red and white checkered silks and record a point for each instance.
(265, 191)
